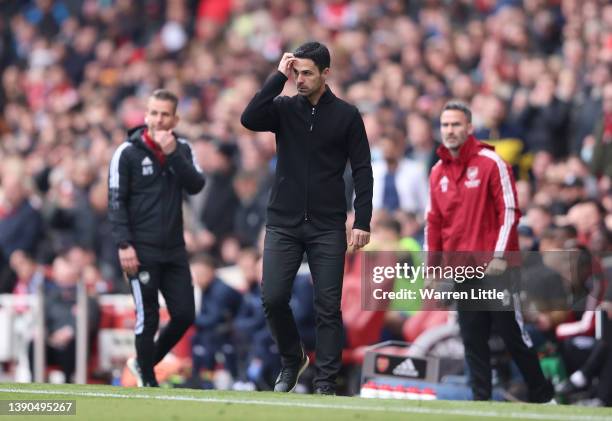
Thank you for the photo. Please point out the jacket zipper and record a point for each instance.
(312, 117)
(165, 220)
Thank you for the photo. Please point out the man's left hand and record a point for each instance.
(496, 267)
(358, 238)
(166, 141)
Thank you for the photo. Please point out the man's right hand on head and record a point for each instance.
(128, 260)
(286, 64)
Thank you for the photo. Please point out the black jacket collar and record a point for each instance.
(327, 97)
(135, 133)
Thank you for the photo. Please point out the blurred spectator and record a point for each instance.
(302, 306)
(544, 287)
(545, 118)
(601, 162)
(421, 143)
(104, 245)
(497, 128)
(70, 217)
(229, 250)
(586, 217)
(220, 200)
(258, 356)
(584, 355)
(47, 16)
(539, 218)
(30, 275)
(527, 241)
(399, 183)
(572, 191)
(251, 213)
(60, 317)
(523, 195)
(212, 346)
(20, 222)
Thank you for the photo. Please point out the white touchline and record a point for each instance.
(413, 410)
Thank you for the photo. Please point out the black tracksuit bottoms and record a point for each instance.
(170, 276)
(284, 248)
(476, 324)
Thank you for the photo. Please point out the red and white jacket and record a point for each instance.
(473, 205)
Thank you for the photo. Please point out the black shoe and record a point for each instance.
(288, 377)
(544, 394)
(141, 380)
(325, 390)
(150, 383)
(568, 388)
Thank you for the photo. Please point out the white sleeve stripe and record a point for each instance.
(139, 327)
(427, 227)
(518, 316)
(193, 158)
(428, 210)
(113, 182)
(509, 202)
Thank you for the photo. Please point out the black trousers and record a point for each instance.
(476, 328)
(594, 361)
(172, 278)
(283, 251)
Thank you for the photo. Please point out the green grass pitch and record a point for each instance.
(108, 403)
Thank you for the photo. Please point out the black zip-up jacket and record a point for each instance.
(145, 198)
(313, 144)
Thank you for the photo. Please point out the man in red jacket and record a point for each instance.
(473, 208)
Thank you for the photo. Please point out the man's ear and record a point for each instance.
(176, 121)
(470, 129)
(325, 72)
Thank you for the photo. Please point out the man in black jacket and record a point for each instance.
(147, 177)
(316, 133)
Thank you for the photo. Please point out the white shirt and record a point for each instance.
(410, 181)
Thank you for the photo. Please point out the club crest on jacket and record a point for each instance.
(147, 166)
(472, 181)
(444, 184)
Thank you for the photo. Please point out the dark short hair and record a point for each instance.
(316, 52)
(391, 224)
(165, 95)
(250, 251)
(459, 106)
(204, 259)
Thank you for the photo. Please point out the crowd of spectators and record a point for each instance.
(75, 75)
